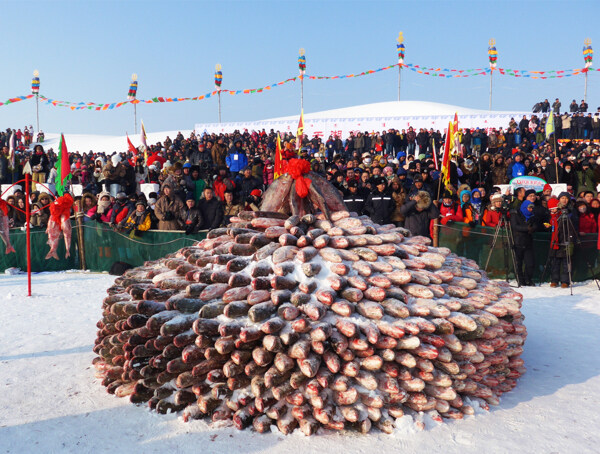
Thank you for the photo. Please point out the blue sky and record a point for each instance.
(87, 51)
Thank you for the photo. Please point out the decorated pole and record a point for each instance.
(27, 172)
(400, 48)
(35, 89)
(218, 82)
(493, 56)
(302, 69)
(588, 55)
(131, 95)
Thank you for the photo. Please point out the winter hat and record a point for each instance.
(552, 203)
(256, 193)
(524, 211)
(115, 159)
(496, 197)
(547, 187)
(189, 196)
(462, 193)
(529, 192)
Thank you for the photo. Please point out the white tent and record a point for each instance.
(373, 117)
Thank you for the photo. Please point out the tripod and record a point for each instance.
(507, 236)
(565, 224)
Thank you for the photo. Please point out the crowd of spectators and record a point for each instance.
(390, 176)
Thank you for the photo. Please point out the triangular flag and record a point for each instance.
(63, 167)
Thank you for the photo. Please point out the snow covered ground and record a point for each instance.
(50, 400)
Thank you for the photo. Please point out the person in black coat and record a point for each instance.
(211, 210)
(190, 216)
(380, 205)
(523, 224)
(247, 184)
(418, 213)
(355, 198)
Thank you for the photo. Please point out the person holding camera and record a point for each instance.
(418, 213)
(190, 216)
(167, 208)
(523, 224)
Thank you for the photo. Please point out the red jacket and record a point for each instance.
(491, 218)
(587, 223)
(221, 185)
(451, 213)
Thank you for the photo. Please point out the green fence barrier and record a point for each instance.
(39, 249)
(475, 243)
(104, 246)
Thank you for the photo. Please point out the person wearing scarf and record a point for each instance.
(523, 224)
(473, 209)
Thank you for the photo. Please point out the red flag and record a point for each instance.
(131, 147)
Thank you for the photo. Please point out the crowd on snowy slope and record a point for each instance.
(389, 175)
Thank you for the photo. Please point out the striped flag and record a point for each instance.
(63, 167)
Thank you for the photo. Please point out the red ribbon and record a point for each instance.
(297, 168)
(61, 206)
(4, 207)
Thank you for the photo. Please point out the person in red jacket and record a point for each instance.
(587, 220)
(450, 210)
(492, 215)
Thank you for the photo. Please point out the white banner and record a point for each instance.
(324, 127)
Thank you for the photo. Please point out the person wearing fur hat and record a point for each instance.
(418, 213)
(499, 171)
(399, 194)
(42, 216)
(88, 206)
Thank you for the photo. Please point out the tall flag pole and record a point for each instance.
(400, 48)
(493, 57)
(278, 168)
(131, 95)
(35, 89)
(300, 131)
(218, 82)
(63, 167)
(588, 55)
(302, 69)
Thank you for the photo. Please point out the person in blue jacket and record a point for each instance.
(236, 160)
(516, 168)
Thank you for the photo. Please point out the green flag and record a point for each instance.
(63, 167)
(550, 125)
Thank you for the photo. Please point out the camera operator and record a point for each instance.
(523, 224)
(561, 237)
